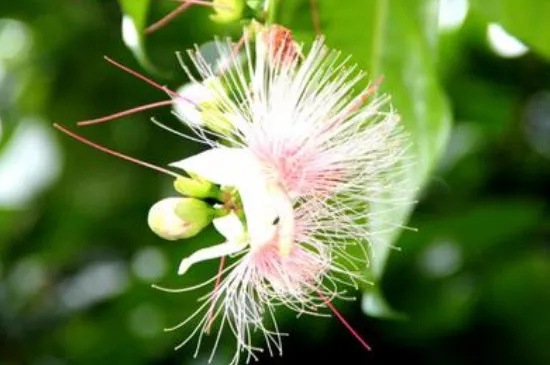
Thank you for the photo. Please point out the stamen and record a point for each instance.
(343, 320)
(114, 153)
(125, 113)
(240, 43)
(168, 18)
(315, 16)
(149, 81)
(372, 88)
(144, 78)
(216, 288)
(235, 52)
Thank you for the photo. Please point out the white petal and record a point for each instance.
(238, 167)
(224, 166)
(209, 253)
(230, 227)
(259, 210)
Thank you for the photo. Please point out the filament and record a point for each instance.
(216, 288)
(124, 113)
(114, 153)
(168, 17)
(343, 320)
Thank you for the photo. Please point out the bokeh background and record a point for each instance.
(77, 259)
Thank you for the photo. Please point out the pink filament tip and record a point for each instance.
(343, 320)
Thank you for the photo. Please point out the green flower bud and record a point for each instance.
(227, 11)
(205, 108)
(178, 218)
(215, 119)
(196, 187)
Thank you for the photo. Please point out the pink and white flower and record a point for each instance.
(308, 157)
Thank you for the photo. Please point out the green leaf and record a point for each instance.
(525, 19)
(255, 5)
(396, 40)
(134, 21)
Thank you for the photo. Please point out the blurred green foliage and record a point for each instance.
(133, 28)
(525, 19)
(77, 258)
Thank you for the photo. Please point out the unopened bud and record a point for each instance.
(178, 218)
(200, 106)
(190, 105)
(196, 187)
(227, 11)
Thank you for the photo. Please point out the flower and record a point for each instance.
(308, 158)
(296, 160)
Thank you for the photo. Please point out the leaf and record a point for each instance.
(526, 19)
(396, 40)
(256, 5)
(134, 21)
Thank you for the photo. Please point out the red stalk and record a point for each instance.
(141, 77)
(125, 113)
(216, 287)
(343, 320)
(168, 18)
(114, 153)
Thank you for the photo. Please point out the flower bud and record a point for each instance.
(227, 11)
(178, 218)
(199, 105)
(196, 187)
(190, 105)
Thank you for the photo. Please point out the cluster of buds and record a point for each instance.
(185, 216)
(177, 218)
